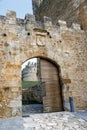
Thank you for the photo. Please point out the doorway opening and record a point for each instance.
(31, 91)
(41, 90)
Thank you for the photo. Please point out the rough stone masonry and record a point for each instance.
(21, 39)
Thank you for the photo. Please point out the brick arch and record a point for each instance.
(39, 53)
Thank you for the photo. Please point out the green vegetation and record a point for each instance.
(28, 84)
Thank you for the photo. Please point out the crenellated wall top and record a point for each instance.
(29, 19)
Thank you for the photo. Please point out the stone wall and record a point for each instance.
(68, 10)
(21, 39)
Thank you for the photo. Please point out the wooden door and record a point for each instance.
(49, 74)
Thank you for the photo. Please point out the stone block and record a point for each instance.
(11, 14)
(15, 104)
(62, 24)
(47, 21)
(76, 26)
(29, 17)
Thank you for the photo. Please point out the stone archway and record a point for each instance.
(48, 88)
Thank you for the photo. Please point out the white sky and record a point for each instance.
(34, 60)
(21, 7)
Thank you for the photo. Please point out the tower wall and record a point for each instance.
(68, 10)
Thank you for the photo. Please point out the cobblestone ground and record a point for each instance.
(82, 114)
(46, 121)
(54, 121)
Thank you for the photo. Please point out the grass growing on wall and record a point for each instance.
(28, 84)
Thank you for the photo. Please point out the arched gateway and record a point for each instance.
(47, 90)
(22, 39)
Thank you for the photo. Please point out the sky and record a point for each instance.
(34, 60)
(21, 7)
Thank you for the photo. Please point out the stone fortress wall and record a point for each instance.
(21, 39)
